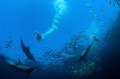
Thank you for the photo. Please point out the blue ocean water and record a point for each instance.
(67, 28)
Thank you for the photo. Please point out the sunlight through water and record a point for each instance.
(60, 7)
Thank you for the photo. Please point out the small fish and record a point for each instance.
(98, 18)
(95, 16)
(95, 33)
(88, 4)
(103, 23)
(102, 10)
(91, 12)
(103, 5)
(86, 38)
(6, 47)
(19, 55)
(86, 28)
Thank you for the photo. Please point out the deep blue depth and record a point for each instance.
(58, 53)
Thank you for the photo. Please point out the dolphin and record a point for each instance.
(27, 51)
(85, 52)
(19, 66)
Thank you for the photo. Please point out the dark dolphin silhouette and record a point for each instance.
(19, 66)
(27, 51)
(85, 52)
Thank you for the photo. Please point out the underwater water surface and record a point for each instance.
(59, 39)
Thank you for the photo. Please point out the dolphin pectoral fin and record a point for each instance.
(95, 39)
(27, 74)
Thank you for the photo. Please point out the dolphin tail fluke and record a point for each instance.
(95, 39)
(27, 74)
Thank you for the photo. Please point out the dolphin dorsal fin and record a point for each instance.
(19, 62)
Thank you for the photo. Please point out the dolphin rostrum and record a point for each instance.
(85, 52)
(27, 51)
(19, 66)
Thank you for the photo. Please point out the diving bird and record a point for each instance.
(19, 66)
(85, 52)
(27, 51)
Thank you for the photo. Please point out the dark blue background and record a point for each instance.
(20, 18)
